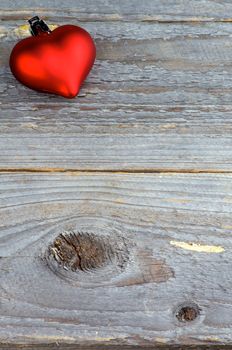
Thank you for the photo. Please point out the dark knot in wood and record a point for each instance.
(188, 313)
(85, 251)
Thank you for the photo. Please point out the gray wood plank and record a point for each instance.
(143, 259)
(158, 98)
(155, 10)
(164, 244)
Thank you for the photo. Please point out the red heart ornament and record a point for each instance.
(56, 62)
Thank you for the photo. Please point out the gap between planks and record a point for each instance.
(113, 171)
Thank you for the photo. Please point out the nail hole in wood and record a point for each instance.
(187, 313)
(78, 251)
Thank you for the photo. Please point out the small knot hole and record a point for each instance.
(187, 313)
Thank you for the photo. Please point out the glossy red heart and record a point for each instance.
(57, 62)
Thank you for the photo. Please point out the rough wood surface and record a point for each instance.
(175, 231)
(146, 10)
(110, 238)
(158, 98)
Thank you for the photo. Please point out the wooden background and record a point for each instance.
(141, 160)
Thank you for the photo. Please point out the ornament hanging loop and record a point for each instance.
(38, 26)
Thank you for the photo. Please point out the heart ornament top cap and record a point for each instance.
(55, 61)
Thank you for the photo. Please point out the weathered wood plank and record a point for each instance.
(167, 239)
(158, 98)
(155, 249)
(155, 64)
(146, 10)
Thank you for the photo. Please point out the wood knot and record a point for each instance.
(187, 312)
(81, 251)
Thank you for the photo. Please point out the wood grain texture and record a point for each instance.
(115, 207)
(158, 98)
(133, 305)
(146, 10)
